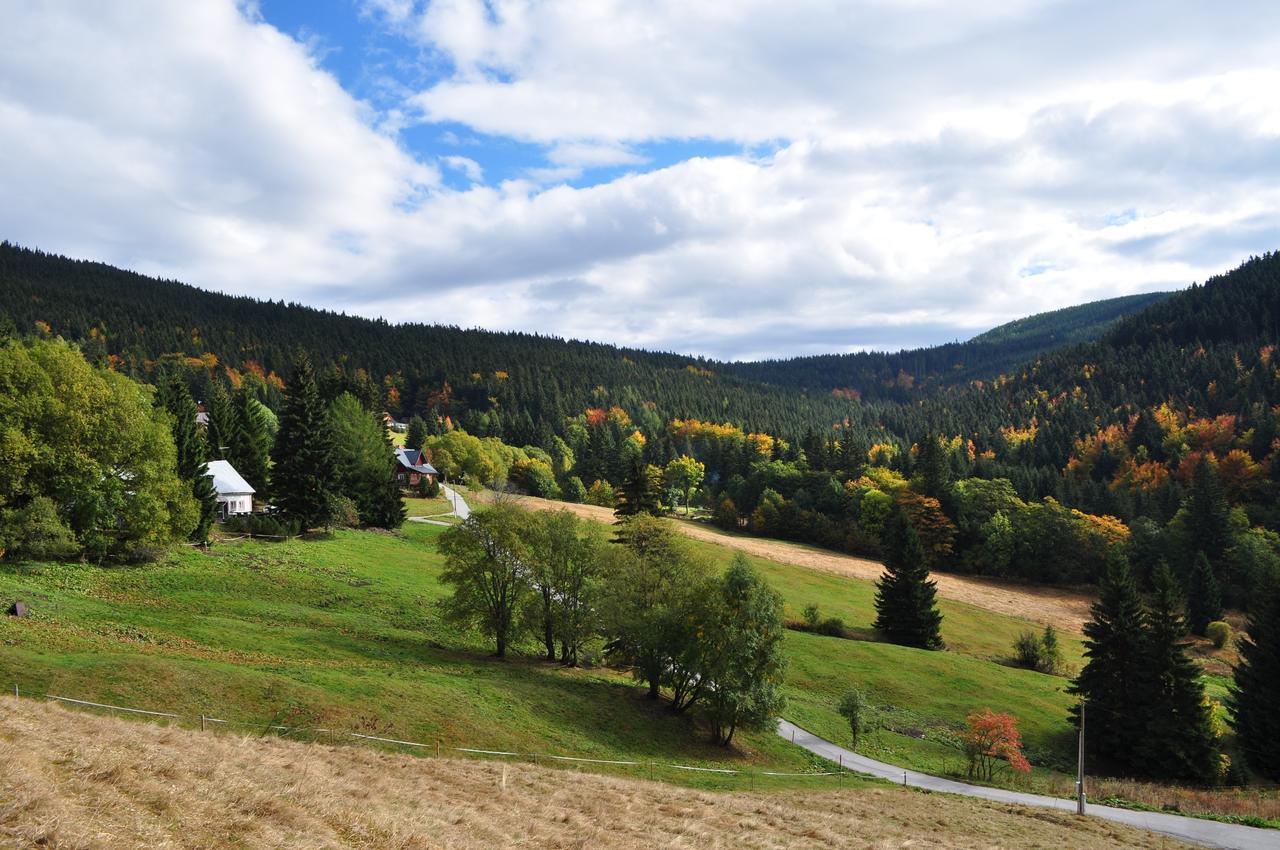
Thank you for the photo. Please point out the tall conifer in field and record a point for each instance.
(640, 492)
(1112, 682)
(1204, 601)
(1179, 742)
(191, 451)
(1255, 696)
(303, 478)
(906, 605)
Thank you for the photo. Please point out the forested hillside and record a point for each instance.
(904, 374)
(1037, 473)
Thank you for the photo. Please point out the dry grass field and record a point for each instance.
(1063, 609)
(72, 779)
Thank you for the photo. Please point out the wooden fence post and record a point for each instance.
(202, 726)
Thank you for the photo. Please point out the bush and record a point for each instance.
(428, 487)
(1219, 632)
(264, 525)
(811, 616)
(1038, 653)
(601, 493)
(343, 512)
(832, 627)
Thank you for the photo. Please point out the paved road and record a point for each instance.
(460, 506)
(1197, 831)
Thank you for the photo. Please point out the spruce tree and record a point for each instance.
(250, 443)
(1204, 601)
(906, 607)
(935, 471)
(1208, 517)
(641, 489)
(218, 433)
(387, 508)
(1255, 696)
(1178, 742)
(191, 452)
(417, 434)
(303, 478)
(1111, 682)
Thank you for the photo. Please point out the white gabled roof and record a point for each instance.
(226, 480)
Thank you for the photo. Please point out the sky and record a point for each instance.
(738, 179)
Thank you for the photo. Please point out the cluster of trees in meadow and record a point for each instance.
(711, 643)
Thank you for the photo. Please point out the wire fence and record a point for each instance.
(207, 722)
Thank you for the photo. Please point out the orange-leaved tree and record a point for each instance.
(992, 742)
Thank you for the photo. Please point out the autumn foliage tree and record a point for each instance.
(992, 743)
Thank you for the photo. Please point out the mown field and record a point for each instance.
(344, 633)
(78, 781)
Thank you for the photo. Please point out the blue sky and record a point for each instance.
(738, 179)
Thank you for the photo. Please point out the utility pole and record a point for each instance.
(1080, 765)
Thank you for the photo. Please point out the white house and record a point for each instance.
(235, 496)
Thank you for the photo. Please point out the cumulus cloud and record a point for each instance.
(928, 170)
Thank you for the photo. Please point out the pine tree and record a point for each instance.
(1178, 742)
(174, 396)
(1208, 518)
(303, 478)
(1255, 696)
(417, 434)
(1204, 601)
(1111, 682)
(906, 607)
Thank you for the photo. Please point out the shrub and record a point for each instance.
(601, 493)
(1219, 632)
(1040, 653)
(1026, 650)
(853, 708)
(811, 616)
(832, 627)
(343, 512)
(574, 490)
(428, 488)
(264, 525)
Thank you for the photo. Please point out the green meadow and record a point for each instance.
(344, 633)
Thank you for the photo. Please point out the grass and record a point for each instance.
(344, 633)
(415, 506)
(339, 633)
(78, 780)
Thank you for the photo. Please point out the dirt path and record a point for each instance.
(1064, 609)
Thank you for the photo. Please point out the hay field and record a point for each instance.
(1062, 608)
(71, 779)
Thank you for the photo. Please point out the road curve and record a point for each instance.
(1195, 830)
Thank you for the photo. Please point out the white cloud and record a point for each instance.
(935, 170)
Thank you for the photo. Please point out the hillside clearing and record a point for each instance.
(1060, 607)
(77, 780)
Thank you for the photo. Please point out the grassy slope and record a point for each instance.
(921, 694)
(342, 633)
(337, 633)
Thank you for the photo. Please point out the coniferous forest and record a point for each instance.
(1152, 429)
